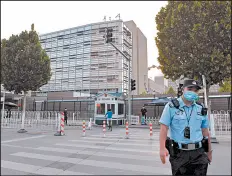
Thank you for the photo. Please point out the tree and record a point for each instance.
(24, 64)
(194, 39)
(143, 93)
(170, 91)
(226, 86)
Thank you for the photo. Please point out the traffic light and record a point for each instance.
(179, 90)
(133, 84)
(109, 35)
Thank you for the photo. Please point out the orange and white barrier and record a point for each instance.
(62, 124)
(83, 127)
(127, 131)
(150, 130)
(104, 128)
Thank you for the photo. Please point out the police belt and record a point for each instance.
(191, 146)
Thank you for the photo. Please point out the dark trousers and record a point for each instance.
(189, 162)
(110, 124)
(66, 120)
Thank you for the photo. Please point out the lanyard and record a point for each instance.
(188, 119)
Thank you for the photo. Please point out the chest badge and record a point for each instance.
(179, 112)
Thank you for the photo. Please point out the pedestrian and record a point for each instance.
(66, 116)
(144, 115)
(189, 143)
(109, 115)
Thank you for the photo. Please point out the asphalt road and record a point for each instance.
(43, 153)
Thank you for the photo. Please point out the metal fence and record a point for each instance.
(222, 122)
(48, 120)
(40, 120)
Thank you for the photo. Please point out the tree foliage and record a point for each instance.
(194, 39)
(170, 91)
(144, 93)
(24, 64)
(226, 86)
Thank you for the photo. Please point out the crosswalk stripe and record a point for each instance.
(130, 167)
(109, 148)
(119, 143)
(142, 138)
(35, 169)
(60, 150)
(123, 134)
(47, 157)
(123, 139)
(76, 160)
(22, 139)
(112, 165)
(19, 166)
(126, 156)
(72, 173)
(101, 138)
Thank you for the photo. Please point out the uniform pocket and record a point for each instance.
(199, 120)
(179, 121)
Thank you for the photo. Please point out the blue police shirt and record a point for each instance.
(177, 120)
(109, 114)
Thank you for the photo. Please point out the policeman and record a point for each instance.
(189, 136)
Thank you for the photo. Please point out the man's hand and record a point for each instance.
(210, 155)
(163, 154)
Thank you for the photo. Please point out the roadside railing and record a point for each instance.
(48, 120)
(43, 120)
(222, 122)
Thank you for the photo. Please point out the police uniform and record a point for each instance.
(191, 158)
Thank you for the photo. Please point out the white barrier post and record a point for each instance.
(104, 128)
(151, 130)
(73, 117)
(60, 126)
(90, 124)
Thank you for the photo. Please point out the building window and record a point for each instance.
(120, 109)
(101, 108)
(112, 107)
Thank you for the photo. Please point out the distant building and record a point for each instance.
(154, 88)
(139, 53)
(82, 62)
(214, 88)
(162, 83)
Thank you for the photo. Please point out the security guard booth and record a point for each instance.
(113, 101)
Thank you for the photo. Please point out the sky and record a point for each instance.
(50, 16)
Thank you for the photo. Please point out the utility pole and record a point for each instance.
(129, 83)
(108, 38)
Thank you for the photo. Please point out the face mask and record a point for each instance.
(191, 96)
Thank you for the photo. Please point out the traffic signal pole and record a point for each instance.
(129, 83)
